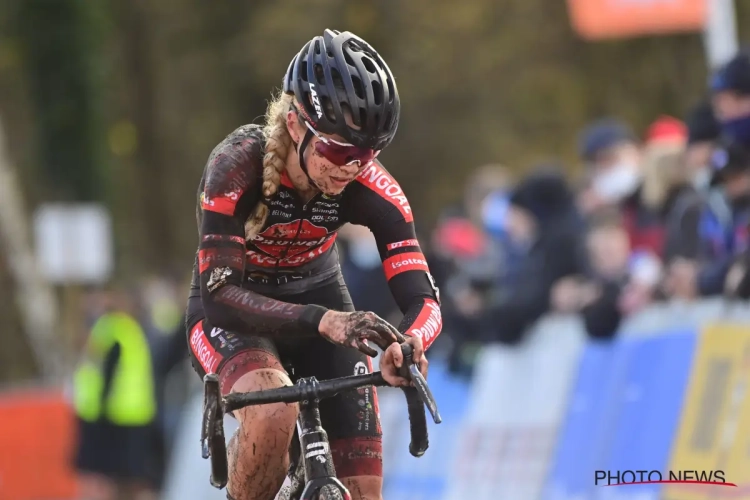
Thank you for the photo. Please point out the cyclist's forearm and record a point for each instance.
(234, 308)
(423, 319)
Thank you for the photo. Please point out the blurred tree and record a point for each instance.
(59, 50)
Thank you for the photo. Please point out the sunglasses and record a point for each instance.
(340, 153)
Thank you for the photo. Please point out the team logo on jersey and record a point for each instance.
(291, 242)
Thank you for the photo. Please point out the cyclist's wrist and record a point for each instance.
(312, 317)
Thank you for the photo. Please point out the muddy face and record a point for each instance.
(329, 178)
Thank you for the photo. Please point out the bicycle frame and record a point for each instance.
(315, 452)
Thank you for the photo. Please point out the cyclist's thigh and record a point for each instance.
(231, 355)
(351, 419)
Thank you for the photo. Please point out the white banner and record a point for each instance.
(518, 400)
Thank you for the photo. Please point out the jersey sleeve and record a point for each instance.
(230, 193)
(385, 210)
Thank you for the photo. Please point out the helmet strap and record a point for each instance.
(301, 152)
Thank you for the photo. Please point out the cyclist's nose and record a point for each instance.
(350, 170)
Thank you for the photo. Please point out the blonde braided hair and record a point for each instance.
(278, 141)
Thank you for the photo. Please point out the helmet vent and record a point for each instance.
(328, 108)
(338, 82)
(369, 64)
(320, 75)
(377, 90)
(358, 88)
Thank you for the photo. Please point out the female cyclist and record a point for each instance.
(267, 292)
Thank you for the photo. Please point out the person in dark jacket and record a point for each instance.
(724, 236)
(703, 136)
(543, 218)
(730, 98)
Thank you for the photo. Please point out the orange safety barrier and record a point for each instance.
(598, 19)
(37, 437)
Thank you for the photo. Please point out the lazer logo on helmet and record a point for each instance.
(316, 101)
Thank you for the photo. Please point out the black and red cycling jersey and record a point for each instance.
(242, 282)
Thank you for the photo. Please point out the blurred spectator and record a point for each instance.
(669, 196)
(615, 161)
(587, 199)
(612, 154)
(484, 181)
(470, 255)
(161, 315)
(730, 88)
(703, 134)
(116, 406)
(603, 302)
(724, 238)
(542, 219)
(727, 241)
(363, 271)
(667, 130)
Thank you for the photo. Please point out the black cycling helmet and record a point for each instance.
(340, 72)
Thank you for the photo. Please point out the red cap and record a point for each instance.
(460, 238)
(667, 129)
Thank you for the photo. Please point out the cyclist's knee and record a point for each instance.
(364, 487)
(262, 380)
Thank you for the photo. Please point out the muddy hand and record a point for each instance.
(353, 329)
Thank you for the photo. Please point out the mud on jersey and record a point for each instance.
(295, 249)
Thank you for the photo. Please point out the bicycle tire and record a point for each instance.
(330, 493)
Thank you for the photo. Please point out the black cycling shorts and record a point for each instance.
(351, 418)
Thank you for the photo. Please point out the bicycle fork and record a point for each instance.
(315, 452)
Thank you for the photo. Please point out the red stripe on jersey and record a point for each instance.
(376, 178)
(428, 324)
(224, 237)
(405, 243)
(215, 257)
(204, 353)
(224, 204)
(410, 261)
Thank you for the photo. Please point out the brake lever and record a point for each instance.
(423, 390)
(425, 394)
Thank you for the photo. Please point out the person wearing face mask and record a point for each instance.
(613, 157)
(612, 153)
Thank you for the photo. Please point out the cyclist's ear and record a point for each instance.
(294, 126)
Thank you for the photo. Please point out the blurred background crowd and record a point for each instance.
(548, 176)
(657, 215)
